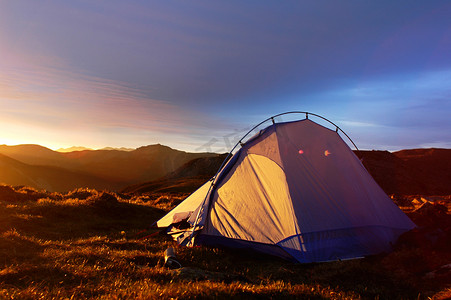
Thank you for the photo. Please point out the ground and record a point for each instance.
(91, 244)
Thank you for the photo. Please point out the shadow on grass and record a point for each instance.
(75, 219)
(15, 248)
(86, 243)
(52, 276)
(369, 277)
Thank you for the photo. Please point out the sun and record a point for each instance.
(6, 141)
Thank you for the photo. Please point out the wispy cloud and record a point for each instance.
(138, 72)
(52, 99)
(358, 124)
(394, 112)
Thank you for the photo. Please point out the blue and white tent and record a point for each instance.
(295, 190)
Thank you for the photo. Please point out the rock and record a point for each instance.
(108, 198)
(430, 209)
(8, 194)
(425, 237)
(107, 204)
(443, 271)
(417, 202)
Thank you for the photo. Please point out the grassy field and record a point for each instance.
(90, 244)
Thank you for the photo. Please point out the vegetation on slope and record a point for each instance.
(415, 171)
(91, 244)
(187, 178)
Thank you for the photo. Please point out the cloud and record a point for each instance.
(394, 112)
(194, 53)
(128, 71)
(358, 124)
(53, 100)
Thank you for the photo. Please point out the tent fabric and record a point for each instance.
(187, 207)
(296, 190)
(256, 185)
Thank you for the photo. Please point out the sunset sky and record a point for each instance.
(193, 75)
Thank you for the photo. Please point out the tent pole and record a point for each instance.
(242, 144)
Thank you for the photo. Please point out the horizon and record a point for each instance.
(127, 149)
(196, 75)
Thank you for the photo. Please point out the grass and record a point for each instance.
(91, 244)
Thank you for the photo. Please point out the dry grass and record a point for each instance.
(88, 244)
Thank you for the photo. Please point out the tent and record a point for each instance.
(295, 190)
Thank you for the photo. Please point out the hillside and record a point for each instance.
(187, 178)
(115, 168)
(416, 171)
(160, 168)
(432, 167)
(406, 172)
(87, 244)
(142, 164)
(34, 155)
(46, 177)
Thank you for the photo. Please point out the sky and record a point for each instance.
(197, 75)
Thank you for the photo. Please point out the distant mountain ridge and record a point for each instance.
(158, 168)
(120, 149)
(405, 172)
(81, 148)
(114, 168)
(73, 148)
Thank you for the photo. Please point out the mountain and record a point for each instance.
(120, 149)
(72, 149)
(161, 168)
(81, 148)
(116, 167)
(56, 179)
(143, 164)
(33, 154)
(414, 171)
